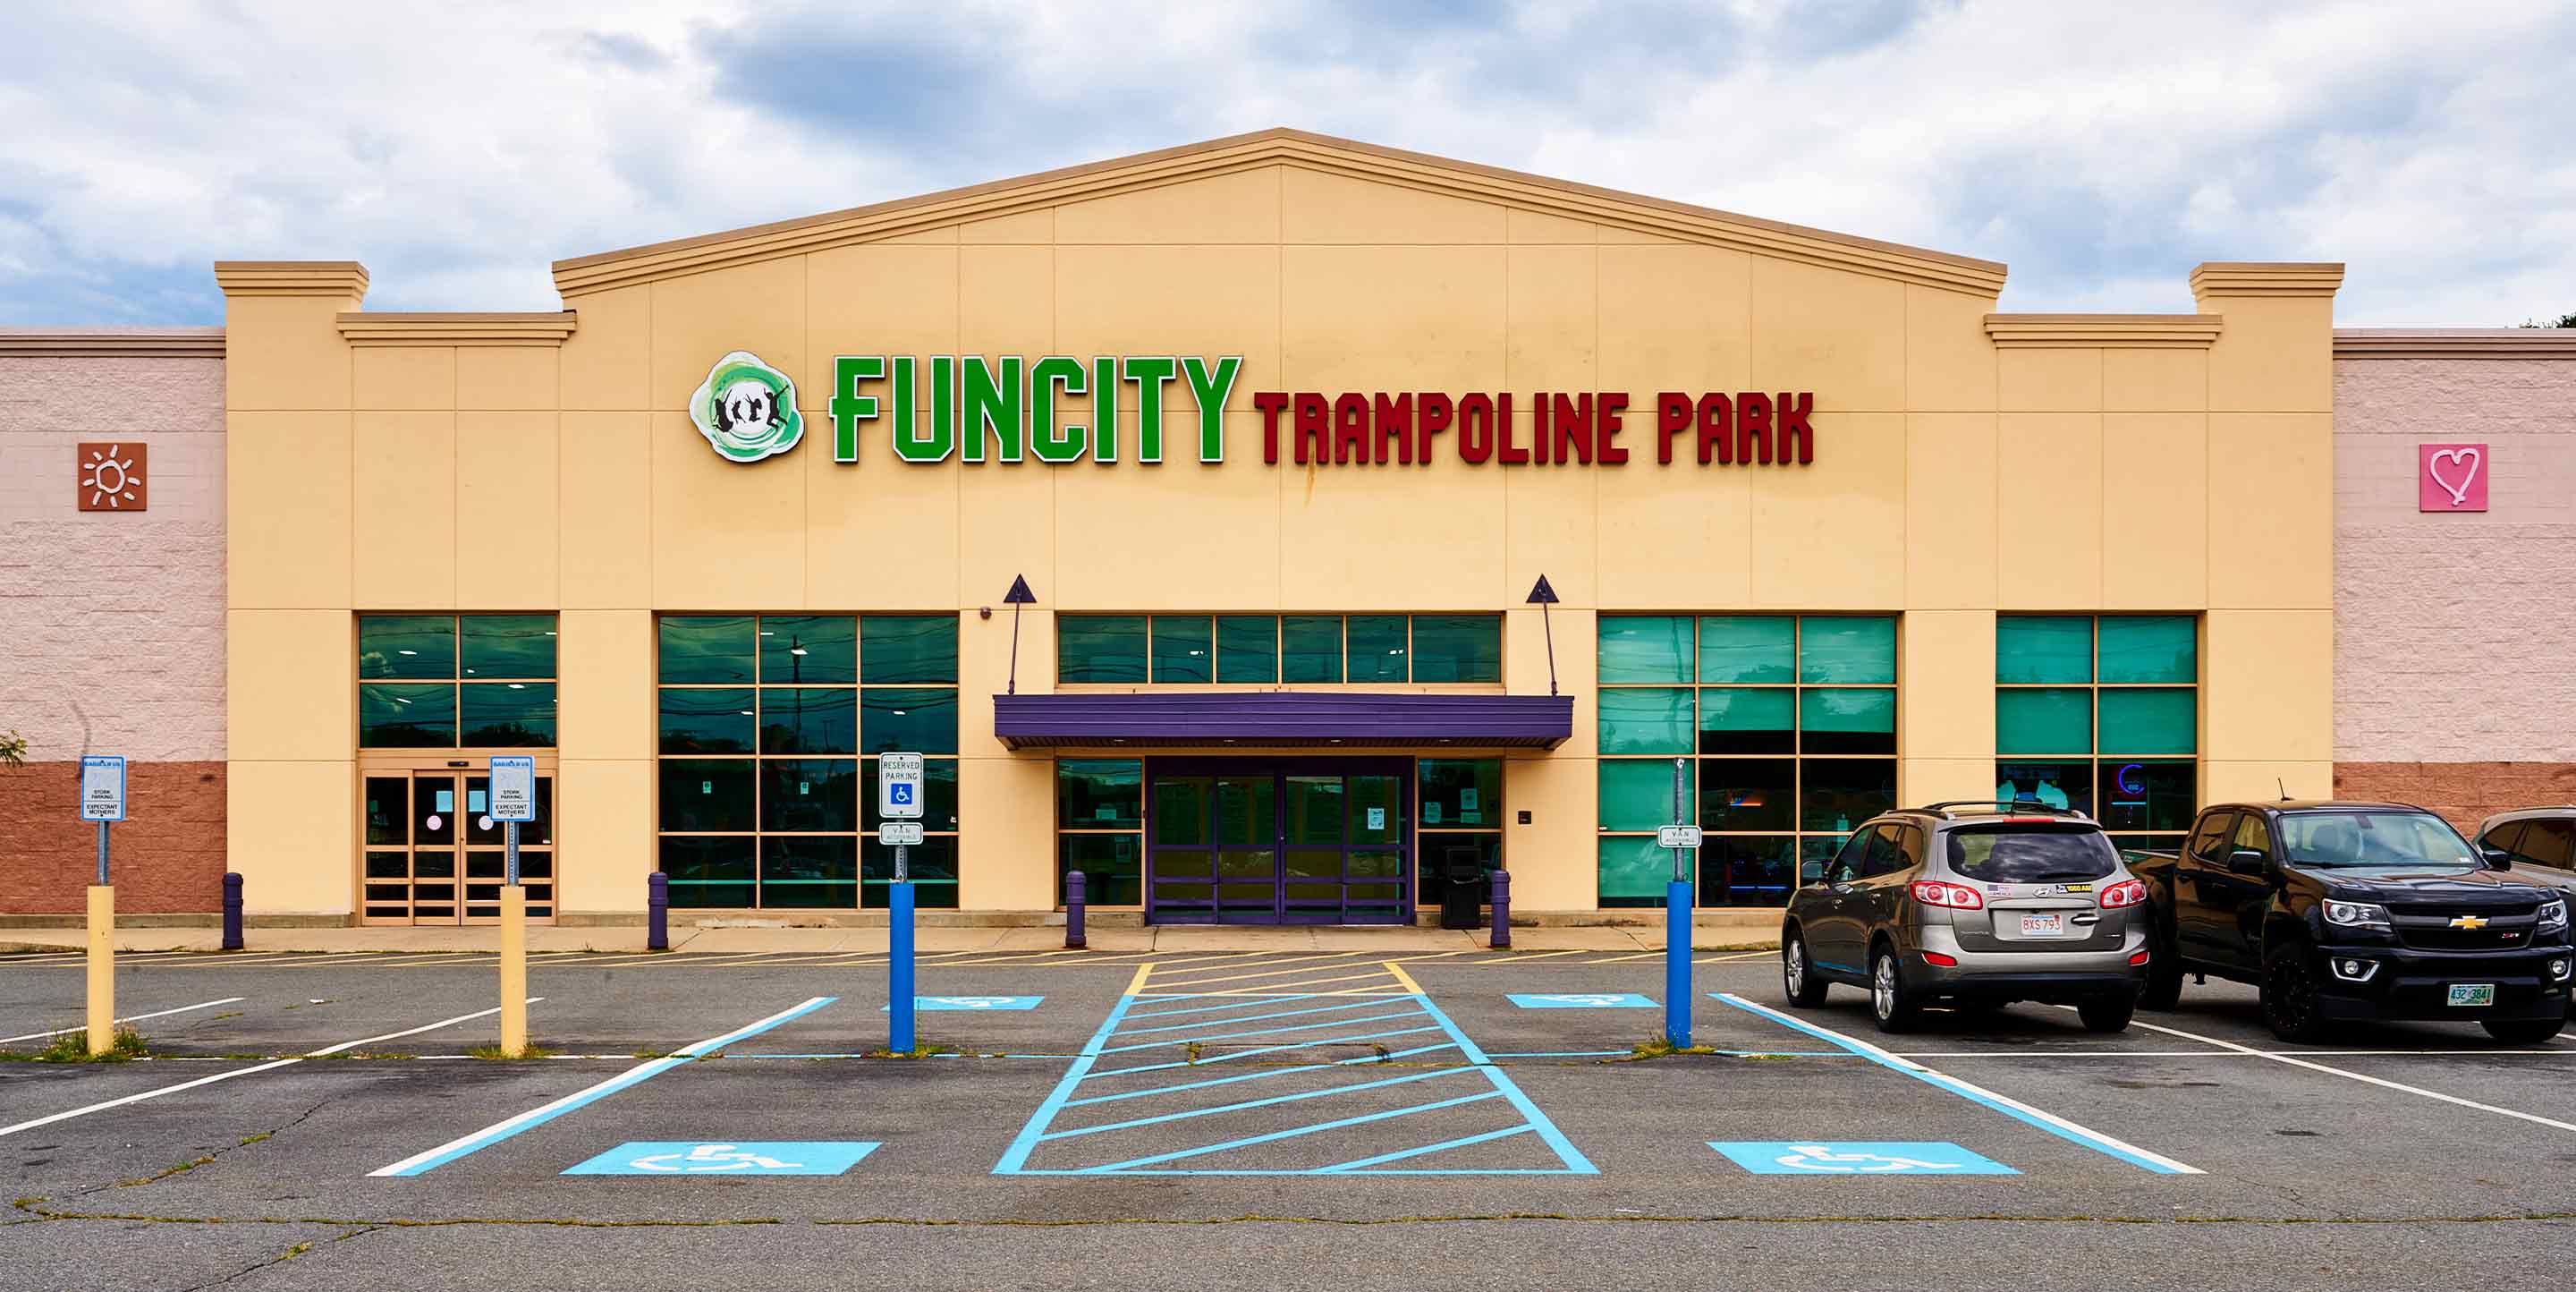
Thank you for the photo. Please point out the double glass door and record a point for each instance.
(1242, 842)
(433, 855)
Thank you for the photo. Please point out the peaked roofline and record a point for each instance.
(1469, 180)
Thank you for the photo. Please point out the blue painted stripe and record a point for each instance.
(539, 1116)
(1016, 1156)
(1212, 1109)
(1247, 1002)
(1290, 1133)
(1427, 1149)
(2009, 1107)
(1250, 1018)
(1500, 1170)
(1257, 1051)
(1565, 1150)
(1361, 1061)
(1268, 1031)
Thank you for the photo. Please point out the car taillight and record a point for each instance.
(1957, 897)
(2127, 892)
(2138, 959)
(1936, 958)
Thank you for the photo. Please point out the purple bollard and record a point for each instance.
(232, 912)
(657, 912)
(1073, 935)
(1502, 937)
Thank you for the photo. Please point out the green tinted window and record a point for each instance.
(406, 646)
(1461, 792)
(1377, 648)
(808, 720)
(909, 719)
(1184, 649)
(1112, 866)
(2053, 720)
(1645, 648)
(2157, 721)
(1634, 872)
(1099, 793)
(407, 715)
(1247, 649)
(709, 794)
(815, 795)
(1310, 648)
(715, 720)
(709, 872)
(507, 715)
(1100, 648)
(708, 649)
(1646, 720)
(808, 872)
(1637, 793)
(1457, 648)
(908, 648)
(1843, 651)
(1746, 721)
(2047, 650)
(809, 650)
(1836, 720)
(2150, 648)
(1747, 648)
(509, 646)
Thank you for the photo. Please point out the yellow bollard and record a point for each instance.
(514, 970)
(102, 968)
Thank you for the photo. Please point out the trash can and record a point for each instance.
(1462, 897)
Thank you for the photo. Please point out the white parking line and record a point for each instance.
(130, 1018)
(244, 1072)
(2364, 1078)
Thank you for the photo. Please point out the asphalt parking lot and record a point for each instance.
(1224, 1120)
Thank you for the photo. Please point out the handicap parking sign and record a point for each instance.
(974, 1002)
(744, 1157)
(1581, 1000)
(1765, 1157)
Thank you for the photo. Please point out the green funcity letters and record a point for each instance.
(1009, 407)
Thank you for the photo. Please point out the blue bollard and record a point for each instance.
(232, 912)
(899, 984)
(1073, 901)
(1502, 936)
(657, 912)
(1677, 962)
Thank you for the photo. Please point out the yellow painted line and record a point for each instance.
(1273, 973)
(1527, 957)
(1405, 978)
(1284, 988)
(1019, 957)
(1741, 955)
(1436, 955)
(1240, 960)
(1136, 985)
(1612, 960)
(467, 960)
(231, 960)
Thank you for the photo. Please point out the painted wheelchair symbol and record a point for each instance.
(1816, 1157)
(712, 1157)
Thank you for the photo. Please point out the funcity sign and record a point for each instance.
(1013, 410)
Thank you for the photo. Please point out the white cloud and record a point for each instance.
(2100, 150)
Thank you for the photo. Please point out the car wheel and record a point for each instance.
(2107, 1013)
(2290, 1006)
(2523, 1031)
(1798, 978)
(1889, 1000)
(2162, 989)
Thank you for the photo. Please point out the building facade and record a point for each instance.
(1189, 514)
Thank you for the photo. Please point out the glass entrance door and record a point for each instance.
(433, 855)
(1240, 842)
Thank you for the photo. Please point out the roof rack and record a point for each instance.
(1942, 808)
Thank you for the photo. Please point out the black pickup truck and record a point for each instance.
(2342, 912)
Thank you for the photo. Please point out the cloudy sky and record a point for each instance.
(2100, 149)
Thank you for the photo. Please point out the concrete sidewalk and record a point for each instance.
(1760, 930)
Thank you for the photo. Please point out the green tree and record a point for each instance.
(13, 750)
(2563, 320)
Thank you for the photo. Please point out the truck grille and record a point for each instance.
(2442, 937)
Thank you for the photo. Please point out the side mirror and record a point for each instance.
(2246, 861)
(1810, 872)
(2495, 858)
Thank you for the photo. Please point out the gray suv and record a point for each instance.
(1971, 904)
(2536, 844)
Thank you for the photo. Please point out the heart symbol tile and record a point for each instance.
(2466, 460)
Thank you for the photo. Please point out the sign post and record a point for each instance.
(102, 799)
(899, 815)
(514, 799)
(1677, 914)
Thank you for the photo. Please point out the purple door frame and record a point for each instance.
(1279, 770)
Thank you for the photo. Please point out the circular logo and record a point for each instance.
(747, 409)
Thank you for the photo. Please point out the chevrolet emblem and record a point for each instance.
(2468, 922)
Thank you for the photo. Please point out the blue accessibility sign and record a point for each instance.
(1765, 1157)
(901, 794)
(1581, 1000)
(932, 1003)
(745, 1157)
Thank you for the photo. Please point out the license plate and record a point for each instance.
(2472, 993)
(2043, 926)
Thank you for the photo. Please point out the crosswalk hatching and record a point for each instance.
(1285, 1066)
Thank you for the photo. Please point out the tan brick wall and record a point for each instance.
(112, 629)
(2453, 632)
(2465, 793)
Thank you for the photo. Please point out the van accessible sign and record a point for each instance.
(1011, 409)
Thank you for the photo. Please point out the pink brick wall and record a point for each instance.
(2455, 635)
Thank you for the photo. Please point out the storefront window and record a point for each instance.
(1459, 806)
(2101, 714)
(768, 729)
(1785, 727)
(1258, 650)
(418, 690)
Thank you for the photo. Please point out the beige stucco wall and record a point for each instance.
(1952, 479)
(2452, 631)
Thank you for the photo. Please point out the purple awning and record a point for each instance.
(1307, 719)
